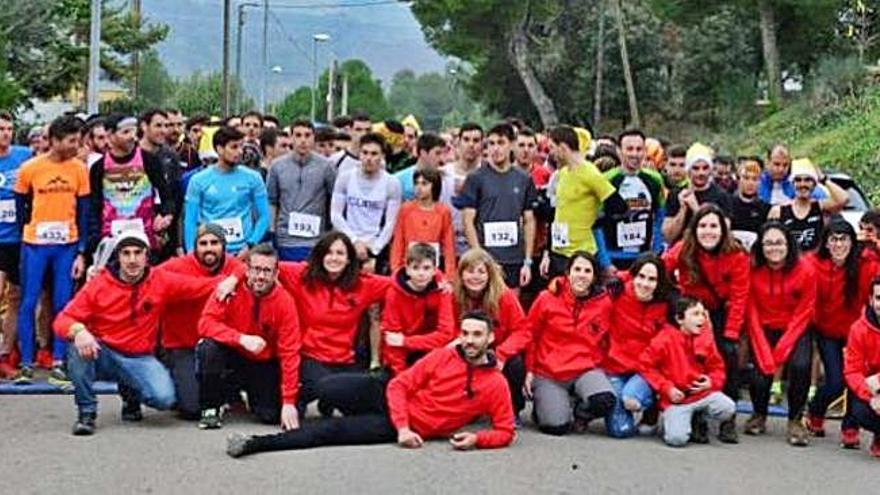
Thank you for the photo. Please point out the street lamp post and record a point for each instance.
(316, 38)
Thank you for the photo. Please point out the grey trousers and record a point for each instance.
(677, 418)
(552, 399)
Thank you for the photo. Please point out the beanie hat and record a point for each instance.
(803, 167)
(698, 152)
(212, 229)
(133, 237)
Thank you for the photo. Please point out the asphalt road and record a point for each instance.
(164, 455)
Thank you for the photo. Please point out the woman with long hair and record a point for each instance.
(480, 286)
(570, 325)
(843, 276)
(782, 302)
(712, 267)
(638, 313)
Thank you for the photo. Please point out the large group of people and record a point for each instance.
(408, 283)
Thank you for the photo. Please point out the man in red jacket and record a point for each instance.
(114, 322)
(443, 392)
(180, 319)
(255, 333)
(861, 368)
(686, 370)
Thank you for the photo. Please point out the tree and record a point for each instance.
(295, 105)
(860, 23)
(627, 73)
(155, 85)
(202, 93)
(435, 99)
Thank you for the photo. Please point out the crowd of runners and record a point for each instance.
(412, 282)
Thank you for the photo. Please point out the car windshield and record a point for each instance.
(856, 200)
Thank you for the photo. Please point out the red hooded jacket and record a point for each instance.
(675, 359)
(569, 333)
(442, 393)
(834, 316)
(632, 325)
(724, 278)
(180, 319)
(329, 315)
(779, 301)
(512, 331)
(272, 317)
(125, 317)
(425, 319)
(861, 356)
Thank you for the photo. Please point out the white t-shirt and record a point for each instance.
(365, 208)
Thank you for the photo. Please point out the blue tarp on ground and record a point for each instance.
(39, 388)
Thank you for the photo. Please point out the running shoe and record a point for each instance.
(849, 438)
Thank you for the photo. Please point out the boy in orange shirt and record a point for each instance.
(425, 219)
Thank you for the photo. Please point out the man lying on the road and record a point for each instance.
(443, 392)
(113, 323)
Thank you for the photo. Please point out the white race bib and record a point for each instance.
(435, 245)
(303, 225)
(746, 238)
(232, 228)
(119, 226)
(7, 211)
(53, 232)
(559, 235)
(501, 234)
(632, 234)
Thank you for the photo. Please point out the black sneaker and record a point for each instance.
(131, 411)
(25, 376)
(85, 425)
(237, 444)
(699, 428)
(727, 432)
(212, 419)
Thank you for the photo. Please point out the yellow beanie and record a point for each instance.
(803, 167)
(698, 152)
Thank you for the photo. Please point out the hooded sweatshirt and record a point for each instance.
(512, 331)
(861, 357)
(632, 325)
(425, 319)
(834, 315)
(723, 282)
(330, 315)
(676, 359)
(569, 333)
(125, 317)
(180, 319)
(272, 317)
(780, 300)
(443, 392)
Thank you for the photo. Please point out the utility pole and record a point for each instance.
(227, 7)
(264, 58)
(344, 93)
(136, 56)
(94, 57)
(331, 90)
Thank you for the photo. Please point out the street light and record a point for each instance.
(316, 38)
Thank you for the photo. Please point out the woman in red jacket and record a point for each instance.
(843, 275)
(332, 295)
(861, 367)
(570, 324)
(638, 313)
(711, 266)
(782, 302)
(480, 286)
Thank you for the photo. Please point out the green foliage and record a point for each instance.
(836, 78)
(204, 92)
(155, 86)
(295, 105)
(435, 99)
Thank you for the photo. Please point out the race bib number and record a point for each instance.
(53, 232)
(435, 245)
(7, 211)
(302, 225)
(746, 238)
(501, 234)
(132, 224)
(232, 228)
(632, 234)
(559, 235)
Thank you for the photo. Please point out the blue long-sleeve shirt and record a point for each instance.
(234, 199)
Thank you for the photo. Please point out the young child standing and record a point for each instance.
(425, 219)
(686, 370)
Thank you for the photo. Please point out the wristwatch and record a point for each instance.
(527, 262)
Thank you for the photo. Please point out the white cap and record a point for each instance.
(130, 238)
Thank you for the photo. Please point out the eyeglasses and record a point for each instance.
(261, 270)
(838, 239)
(779, 243)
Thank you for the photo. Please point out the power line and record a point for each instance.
(287, 35)
(337, 5)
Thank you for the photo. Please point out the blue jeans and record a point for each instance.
(620, 423)
(144, 376)
(300, 253)
(35, 261)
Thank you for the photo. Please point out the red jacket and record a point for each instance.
(272, 317)
(512, 331)
(631, 327)
(675, 359)
(724, 278)
(330, 316)
(568, 333)
(442, 393)
(125, 317)
(834, 316)
(180, 319)
(424, 318)
(861, 356)
(779, 301)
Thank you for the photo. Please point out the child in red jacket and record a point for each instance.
(861, 367)
(686, 370)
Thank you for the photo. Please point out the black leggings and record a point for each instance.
(798, 372)
(728, 351)
(831, 352)
(862, 413)
(515, 372)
